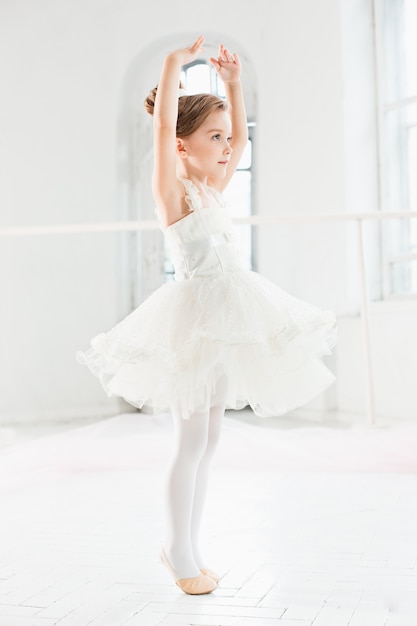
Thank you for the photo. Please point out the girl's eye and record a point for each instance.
(216, 137)
(229, 139)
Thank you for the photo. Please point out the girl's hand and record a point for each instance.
(227, 65)
(189, 54)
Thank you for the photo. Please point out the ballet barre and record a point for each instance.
(254, 220)
(258, 220)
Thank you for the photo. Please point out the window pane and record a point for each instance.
(219, 86)
(410, 39)
(400, 163)
(395, 160)
(198, 78)
(412, 167)
(412, 183)
(238, 195)
(246, 158)
(400, 49)
(404, 277)
(399, 158)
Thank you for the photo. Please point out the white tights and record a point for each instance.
(195, 441)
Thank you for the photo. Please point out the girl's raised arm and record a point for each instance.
(229, 68)
(166, 188)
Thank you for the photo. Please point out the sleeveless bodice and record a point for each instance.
(204, 242)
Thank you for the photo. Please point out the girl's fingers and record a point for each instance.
(229, 57)
(198, 43)
(222, 53)
(225, 56)
(215, 63)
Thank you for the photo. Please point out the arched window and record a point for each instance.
(144, 259)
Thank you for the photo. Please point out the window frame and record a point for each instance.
(393, 176)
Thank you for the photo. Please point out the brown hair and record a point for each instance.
(193, 110)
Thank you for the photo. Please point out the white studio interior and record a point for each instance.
(311, 514)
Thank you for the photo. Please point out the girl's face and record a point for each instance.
(207, 150)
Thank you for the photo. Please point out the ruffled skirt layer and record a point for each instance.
(234, 338)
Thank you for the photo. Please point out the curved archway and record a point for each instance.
(142, 253)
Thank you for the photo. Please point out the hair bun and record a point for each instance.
(149, 102)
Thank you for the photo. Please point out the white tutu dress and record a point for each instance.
(216, 320)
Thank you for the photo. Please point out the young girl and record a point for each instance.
(219, 336)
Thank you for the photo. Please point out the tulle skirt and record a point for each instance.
(173, 350)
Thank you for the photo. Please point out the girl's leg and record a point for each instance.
(190, 444)
(201, 483)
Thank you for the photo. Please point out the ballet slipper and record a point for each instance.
(194, 586)
(209, 572)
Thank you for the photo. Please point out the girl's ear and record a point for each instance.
(181, 150)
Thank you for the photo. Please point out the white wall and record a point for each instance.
(73, 78)
(394, 361)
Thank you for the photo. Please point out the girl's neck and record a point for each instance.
(199, 181)
(204, 189)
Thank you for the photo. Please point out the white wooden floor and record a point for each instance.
(310, 525)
